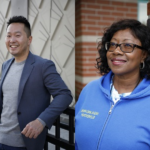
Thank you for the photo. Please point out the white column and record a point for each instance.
(19, 8)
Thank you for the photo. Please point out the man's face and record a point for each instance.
(17, 41)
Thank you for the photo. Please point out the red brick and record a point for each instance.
(148, 8)
(81, 59)
(133, 10)
(104, 2)
(83, 5)
(109, 8)
(92, 59)
(131, 15)
(118, 3)
(93, 17)
(94, 70)
(108, 18)
(88, 1)
(104, 13)
(88, 22)
(93, 49)
(88, 33)
(93, 28)
(88, 64)
(123, 9)
(83, 49)
(131, 4)
(93, 6)
(88, 43)
(88, 11)
(117, 14)
(104, 23)
(82, 17)
(89, 74)
(79, 87)
(83, 28)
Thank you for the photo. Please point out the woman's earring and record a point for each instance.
(143, 65)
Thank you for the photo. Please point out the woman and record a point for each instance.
(113, 112)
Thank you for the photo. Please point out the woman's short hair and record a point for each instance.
(138, 30)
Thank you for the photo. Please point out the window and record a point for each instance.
(142, 11)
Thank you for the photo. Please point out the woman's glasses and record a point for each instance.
(124, 47)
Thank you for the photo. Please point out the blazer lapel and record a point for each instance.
(4, 73)
(25, 74)
(5, 70)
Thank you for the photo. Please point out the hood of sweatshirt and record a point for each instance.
(142, 90)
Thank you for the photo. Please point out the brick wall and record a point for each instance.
(92, 16)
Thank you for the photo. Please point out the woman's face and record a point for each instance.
(125, 63)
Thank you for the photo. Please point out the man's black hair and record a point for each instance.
(23, 20)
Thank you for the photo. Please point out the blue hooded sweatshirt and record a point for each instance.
(101, 125)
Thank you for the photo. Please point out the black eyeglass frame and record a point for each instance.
(116, 45)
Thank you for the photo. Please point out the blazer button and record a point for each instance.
(19, 113)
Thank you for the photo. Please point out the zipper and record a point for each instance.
(110, 110)
(109, 113)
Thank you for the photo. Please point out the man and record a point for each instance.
(27, 83)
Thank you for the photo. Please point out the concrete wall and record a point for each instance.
(53, 31)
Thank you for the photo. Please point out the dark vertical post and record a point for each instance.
(71, 129)
(46, 145)
(57, 132)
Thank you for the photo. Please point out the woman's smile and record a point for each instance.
(118, 61)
